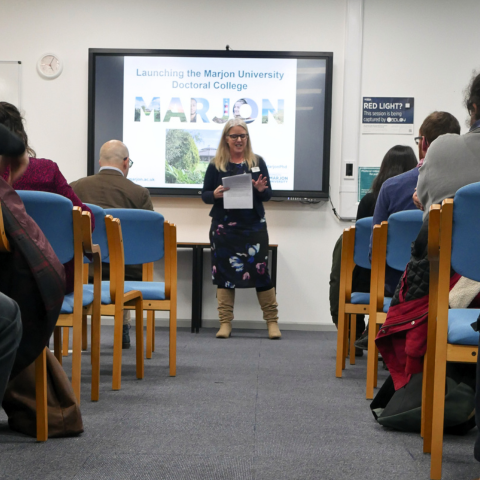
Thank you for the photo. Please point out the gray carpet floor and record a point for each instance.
(242, 408)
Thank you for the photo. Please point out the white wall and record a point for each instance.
(420, 49)
(424, 49)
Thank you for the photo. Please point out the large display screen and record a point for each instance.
(169, 107)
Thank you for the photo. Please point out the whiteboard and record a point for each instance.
(10, 82)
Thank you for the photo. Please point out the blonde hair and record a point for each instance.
(222, 157)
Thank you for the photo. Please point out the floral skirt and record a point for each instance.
(239, 246)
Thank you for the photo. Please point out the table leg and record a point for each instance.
(273, 270)
(194, 289)
(199, 286)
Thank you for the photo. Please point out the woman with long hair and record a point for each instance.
(397, 160)
(239, 237)
(41, 175)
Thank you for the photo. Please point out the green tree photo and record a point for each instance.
(182, 159)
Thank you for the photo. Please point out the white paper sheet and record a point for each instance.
(240, 194)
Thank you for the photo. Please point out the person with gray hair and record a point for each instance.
(110, 188)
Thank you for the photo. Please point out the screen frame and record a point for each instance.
(93, 53)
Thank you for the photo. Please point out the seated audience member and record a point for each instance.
(452, 162)
(41, 175)
(28, 292)
(396, 194)
(110, 188)
(397, 160)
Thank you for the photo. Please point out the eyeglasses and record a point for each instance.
(241, 135)
(418, 140)
(130, 162)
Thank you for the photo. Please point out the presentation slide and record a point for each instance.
(174, 110)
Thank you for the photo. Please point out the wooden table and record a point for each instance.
(197, 277)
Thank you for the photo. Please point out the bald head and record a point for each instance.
(113, 154)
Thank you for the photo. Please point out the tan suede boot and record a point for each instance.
(226, 299)
(268, 302)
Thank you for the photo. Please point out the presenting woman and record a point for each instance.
(239, 237)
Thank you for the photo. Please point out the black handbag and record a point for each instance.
(402, 409)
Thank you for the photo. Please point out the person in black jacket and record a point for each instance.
(239, 237)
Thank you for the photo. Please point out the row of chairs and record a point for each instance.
(121, 237)
(453, 243)
(390, 247)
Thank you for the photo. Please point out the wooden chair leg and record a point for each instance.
(84, 333)
(41, 396)
(95, 357)
(173, 339)
(438, 412)
(57, 344)
(66, 332)
(341, 326)
(375, 370)
(77, 356)
(117, 349)
(372, 359)
(139, 338)
(345, 339)
(153, 331)
(424, 399)
(150, 329)
(353, 334)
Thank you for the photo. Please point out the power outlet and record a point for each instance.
(348, 174)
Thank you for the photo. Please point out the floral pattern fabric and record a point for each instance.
(239, 244)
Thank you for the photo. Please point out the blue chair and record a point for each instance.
(114, 295)
(391, 245)
(64, 227)
(147, 238)
(453, 338)
(355, 247)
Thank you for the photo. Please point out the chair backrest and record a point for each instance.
(363, 230)
(99, 235)
(142, 232)
(466, 232)
(53, 214)
(403, 229)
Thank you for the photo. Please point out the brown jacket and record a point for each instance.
(110, 189)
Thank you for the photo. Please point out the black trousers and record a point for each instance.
(10, 336)
(477, 407)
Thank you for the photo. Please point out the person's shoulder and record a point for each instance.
(211, 168)
(43, 163)
(134, 186)
(447, 140)
(82, 180)
(398, 180)
(368, 198)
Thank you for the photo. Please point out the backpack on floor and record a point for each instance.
(402, 409)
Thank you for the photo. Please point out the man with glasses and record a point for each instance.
(396, 193)
(110, 188)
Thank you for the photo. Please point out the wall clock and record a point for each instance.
(49, 65)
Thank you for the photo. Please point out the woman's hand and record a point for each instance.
(260, 184)
(416, 201)
(218, 192)
(17, 165)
